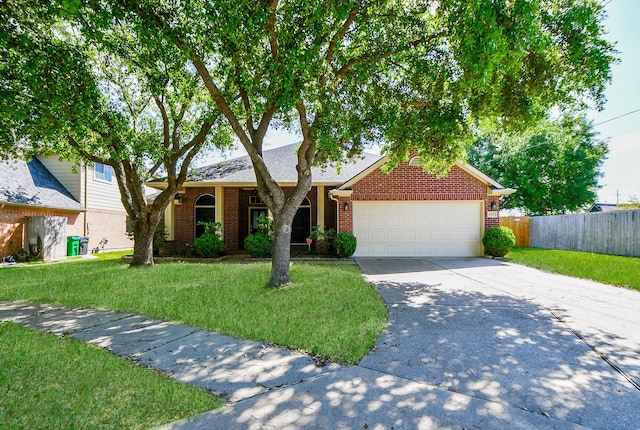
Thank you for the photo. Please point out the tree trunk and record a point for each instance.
(281, 249)
(282, 222)
(143, 246)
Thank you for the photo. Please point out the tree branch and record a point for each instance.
(165, 121)
(271, 29)
(376, 56)
(340, 34)
(245, 102)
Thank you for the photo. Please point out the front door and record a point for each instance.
(301, 226)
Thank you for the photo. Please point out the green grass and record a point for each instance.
(52, 382)
(609, 269)
(113, 255)
(327, 310)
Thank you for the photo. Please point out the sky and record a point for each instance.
(620, 182)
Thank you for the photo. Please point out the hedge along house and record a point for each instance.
(405, 213)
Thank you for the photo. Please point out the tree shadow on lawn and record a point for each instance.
(458, 359)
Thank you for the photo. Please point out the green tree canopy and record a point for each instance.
(345, 74)
(94, 96)
(555, 165)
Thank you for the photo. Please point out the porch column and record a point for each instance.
(320, 207)
(169, 230)
(219, 192)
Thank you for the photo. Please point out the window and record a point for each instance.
(205, 211)
(103, 172)
(416, 162)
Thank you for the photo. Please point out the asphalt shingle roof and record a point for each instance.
(31, 184)
(282, 165)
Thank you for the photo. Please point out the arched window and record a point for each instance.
(204, 211)
(416, 162)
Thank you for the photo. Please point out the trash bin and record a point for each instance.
(84, 245)
(73, 245)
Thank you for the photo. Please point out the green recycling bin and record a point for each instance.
(73, 245)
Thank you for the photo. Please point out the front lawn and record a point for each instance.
(327, 310)
(49, 382)
(609, 269)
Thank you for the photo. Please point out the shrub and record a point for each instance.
(258, 245)
(498, 240)
(265, 226)
(158, 239)
(209, 245)
(345, 244)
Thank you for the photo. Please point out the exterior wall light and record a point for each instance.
(346, 206)
(494, 205)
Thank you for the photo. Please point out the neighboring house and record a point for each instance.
(606, 207)
(88, 197)
(405, 213)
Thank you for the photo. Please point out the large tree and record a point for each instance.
(344, 73)
(555, 165)
(96, 96)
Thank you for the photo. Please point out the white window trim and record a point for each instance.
(95, 173)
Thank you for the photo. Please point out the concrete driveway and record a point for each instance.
(514, 337)
(473, 344)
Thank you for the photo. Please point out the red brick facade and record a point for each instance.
(403, 183)
(100, 223)
(13, 225)
(236, 215)
(407, 182)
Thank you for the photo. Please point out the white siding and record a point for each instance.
(62, 170)
(101, 194)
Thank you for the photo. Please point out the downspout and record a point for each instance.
(85, 229)
(331, 196)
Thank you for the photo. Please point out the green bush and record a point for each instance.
(258, 245)
(345, 244)
(498, 240)
(209, 245)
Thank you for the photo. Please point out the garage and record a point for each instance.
(418, 228)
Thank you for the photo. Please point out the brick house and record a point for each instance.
(87, 199)
(405, 213)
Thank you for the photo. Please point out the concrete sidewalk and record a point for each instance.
(471, 343)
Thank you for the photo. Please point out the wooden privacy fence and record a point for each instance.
(615, 233)
(520, 226)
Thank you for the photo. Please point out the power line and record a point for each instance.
(618, 117)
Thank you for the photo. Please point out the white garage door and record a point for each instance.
(418, 228)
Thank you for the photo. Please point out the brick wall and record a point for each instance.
(330, 211)
(412, 183)
(183, 218)
(346, 217)
(232, 218)
(106, 223)
(236, 215)
(13, 225)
